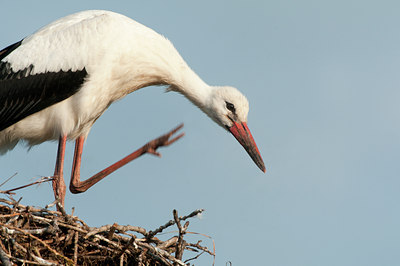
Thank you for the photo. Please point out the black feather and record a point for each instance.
(22, 94)
(6, 51)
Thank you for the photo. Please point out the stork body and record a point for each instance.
(57, 82)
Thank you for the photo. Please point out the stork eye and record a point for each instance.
(230, 107)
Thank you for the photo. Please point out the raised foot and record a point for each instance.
(152, 146)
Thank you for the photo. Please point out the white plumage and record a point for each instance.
(58, 81)
(119, 55)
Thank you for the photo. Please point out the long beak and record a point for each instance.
(242, 133)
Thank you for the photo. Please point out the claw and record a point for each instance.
(163, 141)
(174, 139)
(154, 152)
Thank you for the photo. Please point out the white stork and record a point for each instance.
(57, 82)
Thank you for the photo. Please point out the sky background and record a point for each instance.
(322, 79)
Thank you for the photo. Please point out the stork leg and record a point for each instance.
(59, 186)
(77, 186)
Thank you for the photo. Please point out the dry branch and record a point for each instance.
(41, 180)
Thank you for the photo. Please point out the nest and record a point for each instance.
(39, 236)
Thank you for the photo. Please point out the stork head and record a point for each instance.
(228, 107)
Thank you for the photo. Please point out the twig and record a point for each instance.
(9, 215)
(203, 248)
(8, 179)
(120, 228)
(172, 222)
(121, 260)
(16, 204)
(99, 246)
(38, 231)
(42, 180)
(7, 192)
(47, 220)
(29, 262)
(161, 252)
(195, 257)
(141, 256)
(51, 204)
(62, 210)
(112, 231)
(198, 246)
(125, 247)
(166, 244)
(76, 247)
(179, 245)
(194, 213)
(110, 242)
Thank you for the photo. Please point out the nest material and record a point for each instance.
(39, 236)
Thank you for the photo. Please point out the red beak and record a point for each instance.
(243, 135)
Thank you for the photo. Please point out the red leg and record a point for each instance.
(59, 187)
(77, 186)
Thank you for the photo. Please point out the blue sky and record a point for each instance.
(323, 85)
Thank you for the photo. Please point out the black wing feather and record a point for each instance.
(22, 94)
(6, 51)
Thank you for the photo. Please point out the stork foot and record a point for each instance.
(163, 141)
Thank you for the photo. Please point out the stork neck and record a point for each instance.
(193, 88)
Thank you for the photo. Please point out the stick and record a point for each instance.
(43, 179)
(126, 247)
(8, 179)
(120, 228)
(171, 222)
(179, 245)
(76, 248)
(112, 231)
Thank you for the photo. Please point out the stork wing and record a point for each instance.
(23, 96)
(48, 66)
